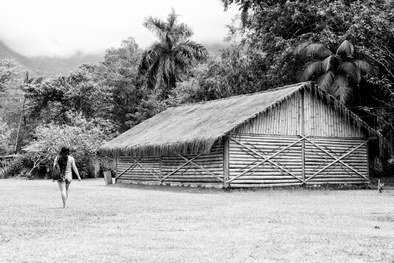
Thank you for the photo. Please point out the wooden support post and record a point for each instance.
(368, 163)
(303, 134)
(226, 162)
(116, 167)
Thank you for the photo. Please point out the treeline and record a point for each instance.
(347, 47)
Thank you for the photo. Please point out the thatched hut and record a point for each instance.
(294, 135)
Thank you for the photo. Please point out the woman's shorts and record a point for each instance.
(67, 181)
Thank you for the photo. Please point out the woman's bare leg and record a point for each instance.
(67, 186)
(63, 192)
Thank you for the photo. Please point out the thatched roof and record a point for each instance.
(194, 128)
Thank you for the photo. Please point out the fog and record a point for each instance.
(63, 27)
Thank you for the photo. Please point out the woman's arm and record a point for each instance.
(55, 162)
(74, 167)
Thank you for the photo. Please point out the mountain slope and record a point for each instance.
(44, 66)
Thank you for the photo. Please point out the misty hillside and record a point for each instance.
(45, 66)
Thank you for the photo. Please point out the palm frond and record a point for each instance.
(183, 31)
(341, 88)
(313, 68)
(325, 81)
(157, 26)
(345, 49)
(349, 69)
(365, 67)
(192, 50)
(172, 19)
(298, 50)
(148, 57)
(314, 50)
(331, 63)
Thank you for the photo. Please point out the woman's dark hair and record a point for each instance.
(63, 157)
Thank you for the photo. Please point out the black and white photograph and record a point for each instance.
(210, 131)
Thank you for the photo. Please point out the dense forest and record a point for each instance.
(347, 47)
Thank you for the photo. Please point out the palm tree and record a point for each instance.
(336, 73)
(166, 61)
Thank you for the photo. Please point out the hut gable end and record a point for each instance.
(321, 119)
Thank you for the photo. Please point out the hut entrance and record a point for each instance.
(283, 161)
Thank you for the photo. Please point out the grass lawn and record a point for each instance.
(162, 224)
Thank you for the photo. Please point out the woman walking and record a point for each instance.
(66, 163)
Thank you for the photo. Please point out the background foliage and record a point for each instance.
(104, 99)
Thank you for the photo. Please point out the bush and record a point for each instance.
(5, 138)
(82, 137)
(14, 168)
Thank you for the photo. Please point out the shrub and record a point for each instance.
(13, 169)
(5, 138)
(82, 137)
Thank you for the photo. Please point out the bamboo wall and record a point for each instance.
(205, 169)
(282, 120)
(316, 159)
(240, 159)
(246, 151)
(326, 121)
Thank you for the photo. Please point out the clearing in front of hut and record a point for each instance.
(163, 224)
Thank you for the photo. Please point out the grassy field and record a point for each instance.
(153, 224)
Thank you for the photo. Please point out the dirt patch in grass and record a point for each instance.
(166, 224)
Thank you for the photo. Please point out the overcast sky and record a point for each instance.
(62, 27)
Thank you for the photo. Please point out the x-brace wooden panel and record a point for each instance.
(201, 167)
(157, 176)
(323, 155)
(336, 160)
(130, 168)
(266, 159)
(180, 167)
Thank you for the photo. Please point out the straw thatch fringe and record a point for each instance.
(195, 128)
(186, 148)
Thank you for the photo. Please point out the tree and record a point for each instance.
(5, 138)
(334, 72)
(275, 28)
(83, 137)
(119, 71)
(27, 81)
(235, 72)
(166, 61)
